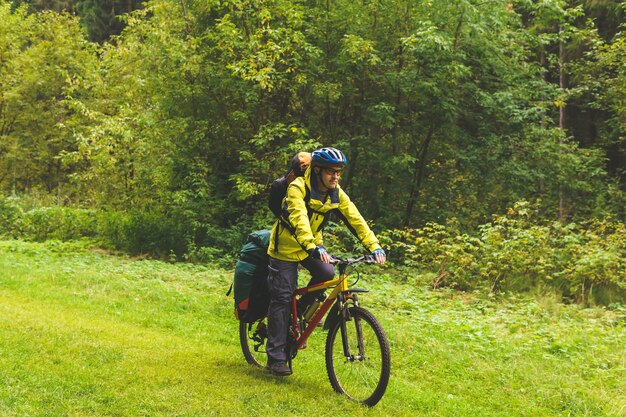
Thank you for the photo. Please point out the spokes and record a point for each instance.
(252, 337)
(362, 372)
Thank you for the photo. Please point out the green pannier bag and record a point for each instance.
(252, 297)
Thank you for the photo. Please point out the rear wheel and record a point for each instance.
(252, 337)
(361, 372)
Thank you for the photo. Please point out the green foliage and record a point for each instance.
(134, 232)
(173, 130)
(44, 57)
(59, 223)
(265, 158)
(442, 248)
(43, 223)
(520, 252)
(11, 216)
(101, 18)
(603, 82)
(196, 107)
(143, 232)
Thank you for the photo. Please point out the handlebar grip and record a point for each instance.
(369, 259)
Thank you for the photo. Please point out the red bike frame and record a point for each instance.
(341, 285)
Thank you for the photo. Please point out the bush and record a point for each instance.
(134, 232)
(598, 259)
(208, 243)
(340, 241)
(143, 232)
(519, 252)
(61, 223)
(451, 254)
(43, 223)
(11, 217)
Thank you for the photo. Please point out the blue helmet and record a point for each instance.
(328, 157)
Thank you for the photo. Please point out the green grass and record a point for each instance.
(83, 333)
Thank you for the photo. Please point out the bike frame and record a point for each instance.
(341, 286)
(364, 383)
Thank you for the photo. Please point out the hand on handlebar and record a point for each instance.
(379, 256)
(320, 253)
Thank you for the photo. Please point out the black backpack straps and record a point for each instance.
(327, 216)
(348, 225)
(280, 222)
(283, 219)
(310, 211)
(307, 202)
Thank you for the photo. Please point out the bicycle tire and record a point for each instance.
(365, 379)
(252, 338)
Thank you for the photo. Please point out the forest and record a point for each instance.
(486, 139)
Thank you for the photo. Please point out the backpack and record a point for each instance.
(278, 191)
(252, 297)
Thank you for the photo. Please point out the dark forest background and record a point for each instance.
(157, 126)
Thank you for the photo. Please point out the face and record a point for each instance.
(330, 177)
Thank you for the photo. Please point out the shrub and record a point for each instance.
(42, 223)
(519, 252)
(451, 254)
(60, 223)
(135, 231)
(11, 216)
(598, 259)
(143, 232)
(516, 252)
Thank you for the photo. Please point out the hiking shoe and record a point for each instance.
(279, 368)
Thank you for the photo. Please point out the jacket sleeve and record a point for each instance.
(356, 223)
(299, 218)
(319, 239)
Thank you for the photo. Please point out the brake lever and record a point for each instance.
(369, 259)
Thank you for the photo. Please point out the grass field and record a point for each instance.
(83, 333)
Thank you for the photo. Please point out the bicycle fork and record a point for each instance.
(343, 321)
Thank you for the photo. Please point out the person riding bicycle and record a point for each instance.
(297, 239)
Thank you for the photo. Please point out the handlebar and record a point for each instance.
(344, 263)
(366, 259)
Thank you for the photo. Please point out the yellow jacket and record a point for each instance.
(307, 233)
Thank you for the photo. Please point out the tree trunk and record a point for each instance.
(562, 86)
(420, 166)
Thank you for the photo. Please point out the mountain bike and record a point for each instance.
(358, 360)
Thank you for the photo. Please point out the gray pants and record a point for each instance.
(282, 282)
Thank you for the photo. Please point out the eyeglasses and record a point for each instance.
(332, 172)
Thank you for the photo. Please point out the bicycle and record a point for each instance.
(358, 362)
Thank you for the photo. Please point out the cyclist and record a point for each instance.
(297, 239)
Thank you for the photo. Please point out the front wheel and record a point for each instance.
(252, 337)
(358, 360)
